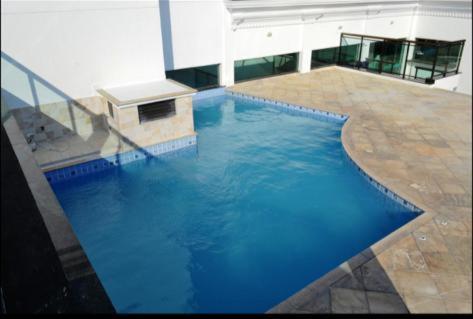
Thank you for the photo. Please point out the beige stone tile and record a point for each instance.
(442, 262)
(450, 227)
(453, 286)
(458, 306)
(424, 304)
(414, 283)
(404, 255)
(429, 239)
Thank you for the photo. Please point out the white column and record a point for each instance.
(226, 68)
(304, 60)
(305, 54)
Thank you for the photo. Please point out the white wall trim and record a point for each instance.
(299, 16)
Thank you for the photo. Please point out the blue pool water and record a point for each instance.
(267, 203)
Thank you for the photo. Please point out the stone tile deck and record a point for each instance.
(416, 141)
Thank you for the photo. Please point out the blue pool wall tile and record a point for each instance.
(208, 94)
(111, 161)
(293, 108)
(383, 189)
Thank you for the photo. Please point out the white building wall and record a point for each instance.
(391, 25)
(265, 41)
(193, 33)
(74, 45)
(322, 34)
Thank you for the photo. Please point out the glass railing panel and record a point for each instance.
(422, 62)
(350, 50)
(442, 61)
(371, 54)
(454, 56)
(393, 57)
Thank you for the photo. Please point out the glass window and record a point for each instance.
(324, 57)
(200, 78)
(265, 66)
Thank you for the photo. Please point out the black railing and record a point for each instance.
(420, 60)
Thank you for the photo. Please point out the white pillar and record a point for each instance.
(304, 60)
(226, 68)
(305, 54)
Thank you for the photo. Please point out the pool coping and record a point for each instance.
(324, 282)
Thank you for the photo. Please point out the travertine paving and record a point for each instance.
(416, 141)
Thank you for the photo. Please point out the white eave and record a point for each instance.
(249, 4)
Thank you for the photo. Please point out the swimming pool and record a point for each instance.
(266, 203)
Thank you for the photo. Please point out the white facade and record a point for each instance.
(193, 34)
(76, 46)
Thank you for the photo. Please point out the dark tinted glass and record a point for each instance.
(199, 78)
(265, 66)
(324, 57)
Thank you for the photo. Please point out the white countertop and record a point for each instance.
(144, 92)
